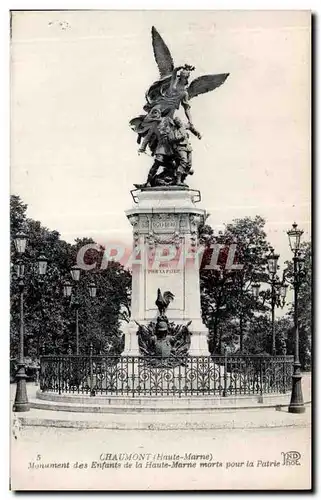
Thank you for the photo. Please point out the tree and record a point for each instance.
(226, 294)
(49, 317)
(101, 317)
(45, 321)
(17, 214)
(259, 335)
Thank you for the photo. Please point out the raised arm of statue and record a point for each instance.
(195, 132)
(186, 105)
(174, 77)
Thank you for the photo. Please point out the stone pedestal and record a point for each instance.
(131, 340)
(165, 232)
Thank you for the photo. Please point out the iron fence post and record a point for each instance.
(225, 375)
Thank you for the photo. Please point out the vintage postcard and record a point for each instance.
(160, 213)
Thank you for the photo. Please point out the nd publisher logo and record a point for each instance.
(291, 457)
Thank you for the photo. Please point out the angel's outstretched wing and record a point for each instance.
(205, 84)
(162, 54)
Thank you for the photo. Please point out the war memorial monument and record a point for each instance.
(165, 361)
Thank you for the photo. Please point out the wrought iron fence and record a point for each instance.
(136, 376)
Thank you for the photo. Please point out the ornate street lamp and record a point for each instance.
(75, 273)
(92, 289)
(20, 242)
(21, 398)
(42, 265)
(255, 290)
(272, 262)
(294, 235)
(278, 291)
(296, 403)
(283, 291)
(67, 291)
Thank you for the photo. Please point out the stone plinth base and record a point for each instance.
(199, 343)
(131, 340)
(165, 224)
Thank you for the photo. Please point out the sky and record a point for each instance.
(77, 78)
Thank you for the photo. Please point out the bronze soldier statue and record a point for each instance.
(183, 149)
(163, 98)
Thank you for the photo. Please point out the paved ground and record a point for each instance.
(223, 419)
(232, 458)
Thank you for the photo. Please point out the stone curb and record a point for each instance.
(158, 426)
(47, 405)
(191, 402)
(132, 410)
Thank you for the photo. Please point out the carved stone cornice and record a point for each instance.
(133, 219)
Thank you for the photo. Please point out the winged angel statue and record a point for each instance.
(166, 136)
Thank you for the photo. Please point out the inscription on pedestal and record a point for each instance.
(164, 223)
(166, 279)
(166, 275)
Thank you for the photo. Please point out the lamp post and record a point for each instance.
(272, 261)
(67, 291)
(92, 289)
(296, 403)
(42, 265)
(75, 274)
(241, 312)
(255, 290)
(278, 292)
(21, 402)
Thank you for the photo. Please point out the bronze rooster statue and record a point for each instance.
(163, 301)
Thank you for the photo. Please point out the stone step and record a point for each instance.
(242, 419)
(86, 404)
